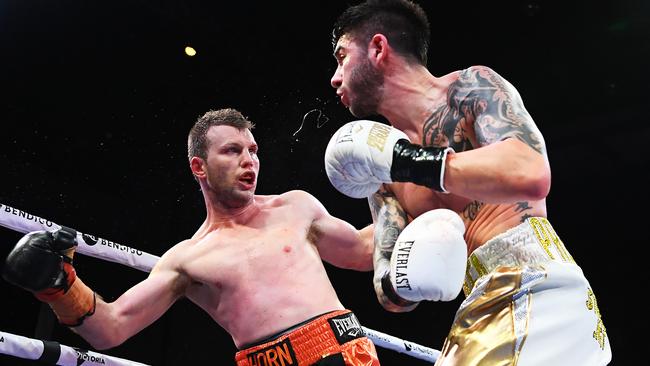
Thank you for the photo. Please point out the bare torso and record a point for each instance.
(482, 221)
(452, 123)
(261, 278)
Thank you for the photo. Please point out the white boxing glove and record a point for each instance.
(358, 157)
(430, 257)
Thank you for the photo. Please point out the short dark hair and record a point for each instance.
(403, 22)
(197, 141)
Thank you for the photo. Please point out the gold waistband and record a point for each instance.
(533, 241)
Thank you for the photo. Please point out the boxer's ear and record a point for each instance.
(378, 49)
(197, 167)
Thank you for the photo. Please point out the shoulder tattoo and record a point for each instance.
(483, 106)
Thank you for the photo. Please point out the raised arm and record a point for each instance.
(508, 161)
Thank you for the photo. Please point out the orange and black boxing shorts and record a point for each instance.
(332, 339)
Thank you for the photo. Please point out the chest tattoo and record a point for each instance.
(471, 210)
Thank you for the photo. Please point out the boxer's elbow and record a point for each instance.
(534, 182)
(541, 187)
(361, 263)
(529, 173)
(105, 340)
(105, 343)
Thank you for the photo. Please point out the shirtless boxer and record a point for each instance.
(254, 265)
(462, 170)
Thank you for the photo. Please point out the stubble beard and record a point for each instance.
(366, 84)
(227, 194)
(234, 198)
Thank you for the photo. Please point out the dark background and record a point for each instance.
(98, 98)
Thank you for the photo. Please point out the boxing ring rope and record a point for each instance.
(97, 247)
(53, 353)
(89, 245)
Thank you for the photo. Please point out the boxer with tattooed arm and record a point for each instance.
(457, 186)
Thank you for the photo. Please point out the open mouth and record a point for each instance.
(247, 178)
(344, 100)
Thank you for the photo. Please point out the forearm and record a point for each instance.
(111, 324)
(115, 322)
(390, 219)
(103, 329)
(506, 171)
(42, 262)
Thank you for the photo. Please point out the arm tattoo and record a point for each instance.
(484, 108)
(390, 219)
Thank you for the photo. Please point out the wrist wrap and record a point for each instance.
(423, 166)
(390, 293)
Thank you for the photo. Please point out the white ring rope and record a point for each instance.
(53, 353)
(97, 247)
(90, 245)
(399, 345)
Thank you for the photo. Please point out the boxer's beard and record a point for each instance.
(365, 85)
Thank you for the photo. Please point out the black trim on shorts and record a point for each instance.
(282, 332)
